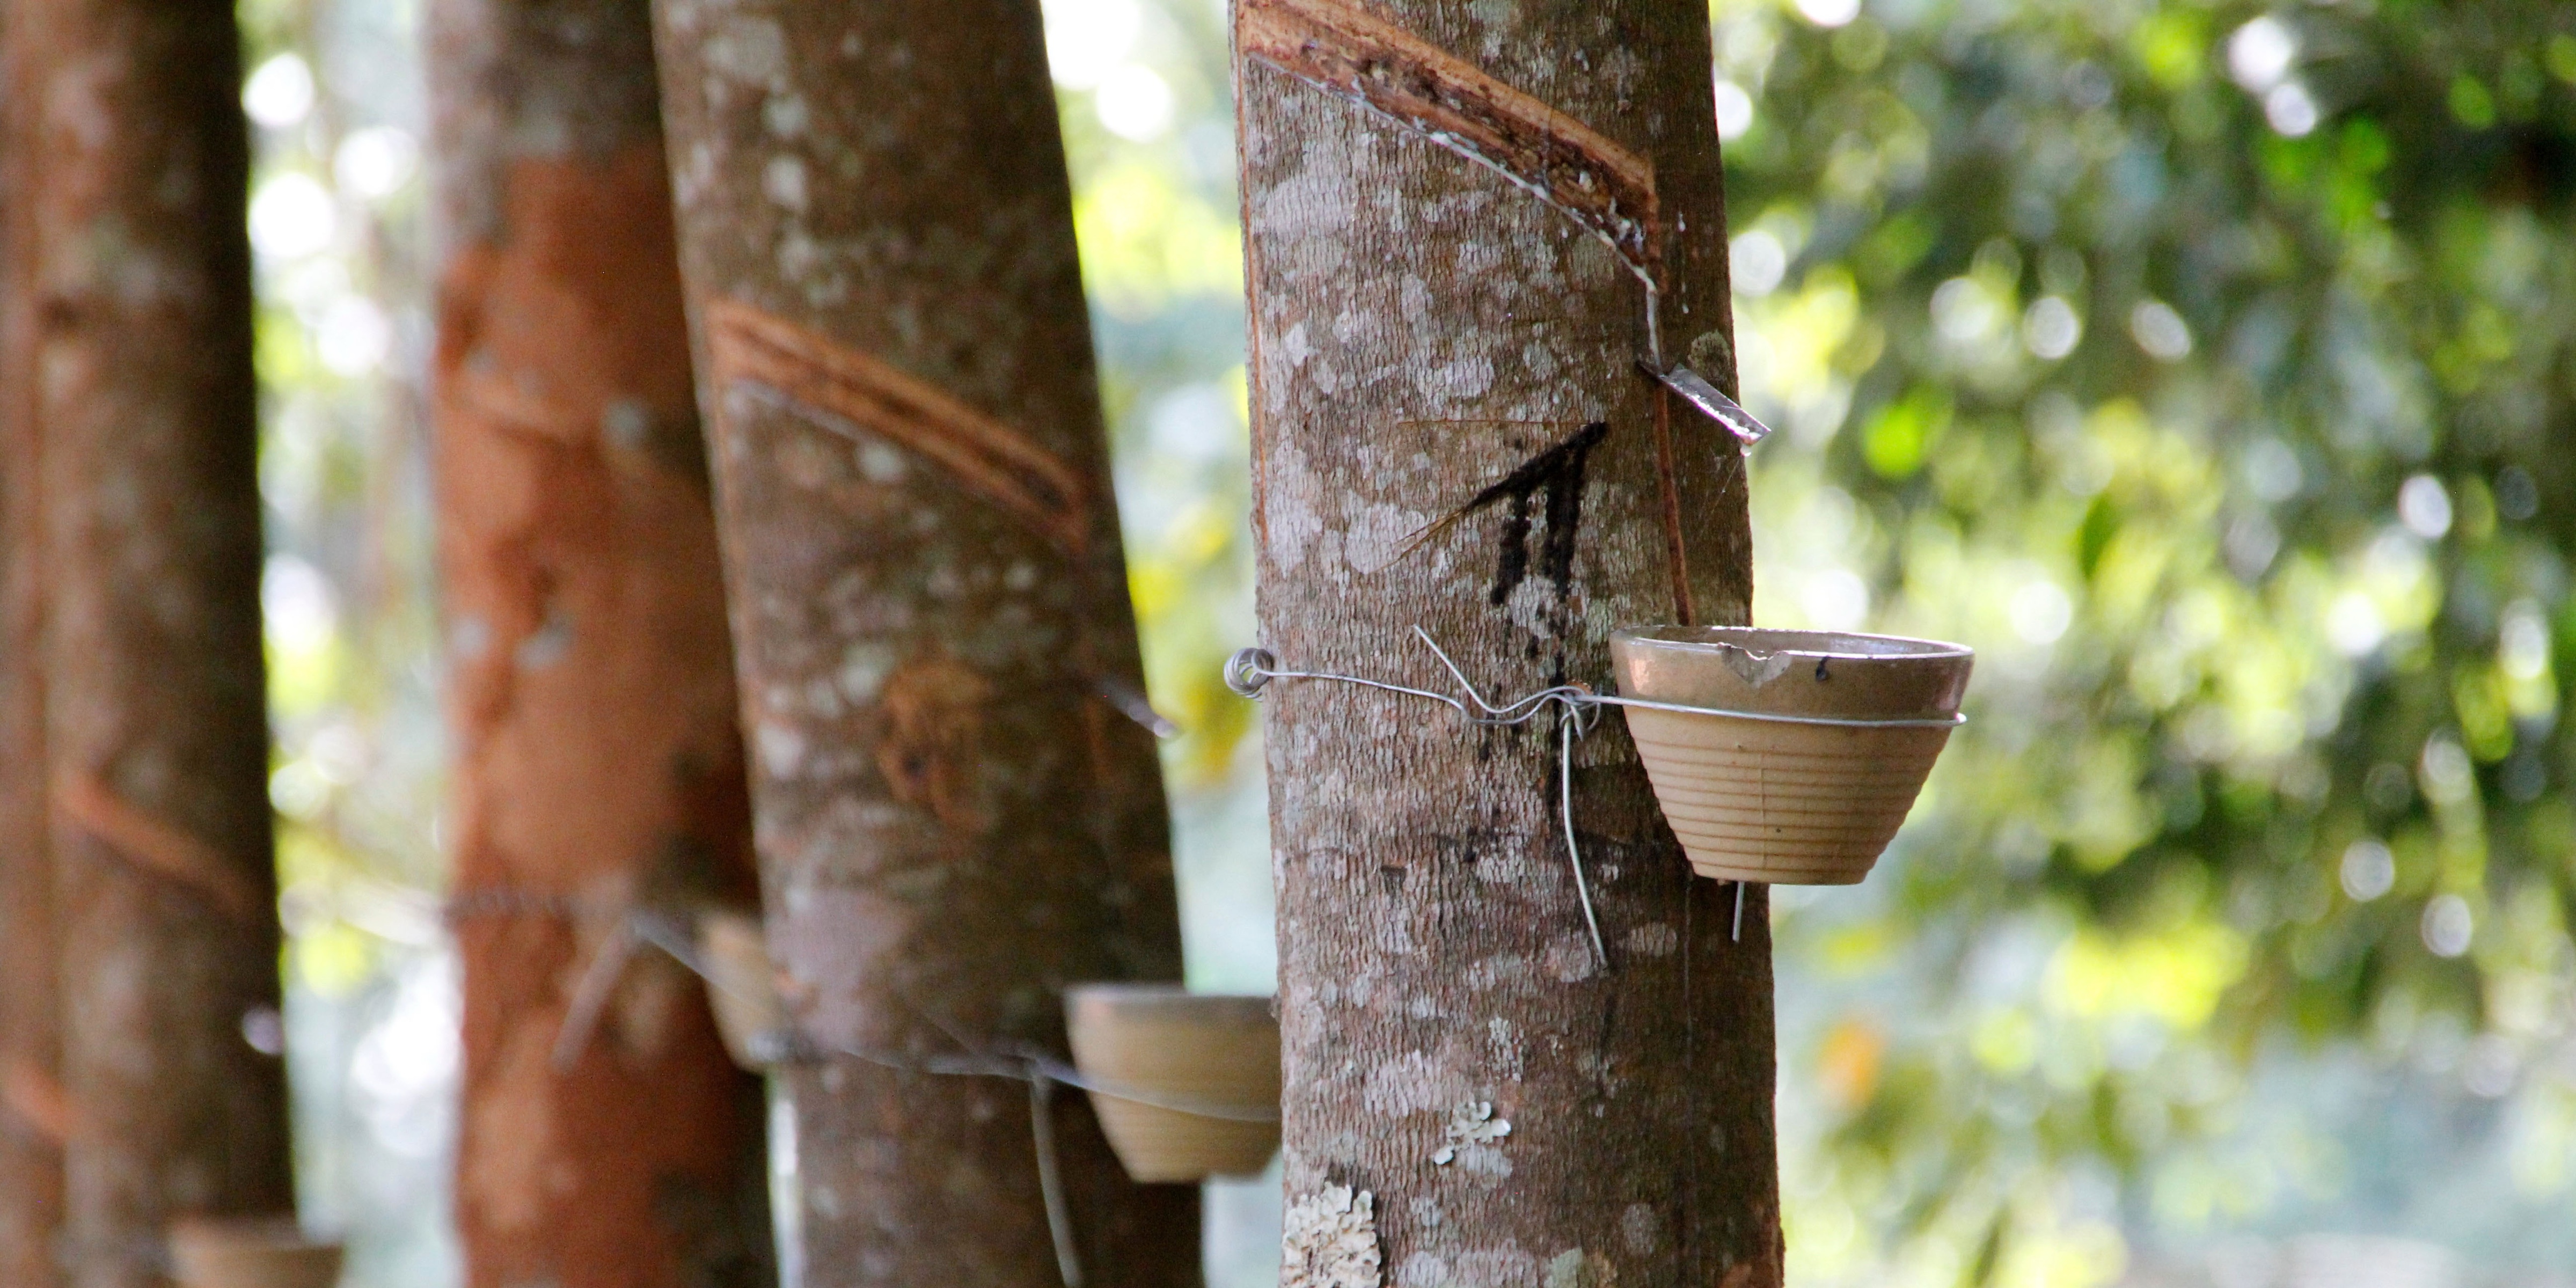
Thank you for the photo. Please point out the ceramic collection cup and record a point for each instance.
(1186, 1084)
(1780, 801)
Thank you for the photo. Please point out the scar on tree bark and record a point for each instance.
(838, 388)
(1342, 49)
(155, 846)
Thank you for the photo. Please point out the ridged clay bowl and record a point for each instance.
(1778, 802)
(1155, 1051)
(256, 1252)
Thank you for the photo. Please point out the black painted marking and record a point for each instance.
(1558, 473)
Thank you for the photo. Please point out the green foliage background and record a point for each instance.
(2207, 366)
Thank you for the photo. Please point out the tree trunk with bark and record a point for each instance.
(606, 1141)
(1452, 214)
(142, 429)
(32, 1128)
(930, 614)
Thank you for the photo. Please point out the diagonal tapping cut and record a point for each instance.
(831, 383)
(1604, 188)
(39, 1101)
(1338, 47)
(156, 846)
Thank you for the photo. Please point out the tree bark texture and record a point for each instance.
(142, 426)
(599, 770)
(33, 1124)
(930, 615)
(1449, 210)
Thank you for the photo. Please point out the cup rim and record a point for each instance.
(1155, 990)
(1772, 641)
(272, 1233)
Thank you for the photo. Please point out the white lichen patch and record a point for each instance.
(786, 115)
(1654, 939)
(1330, 1241)
(1601, 1072)
(1409, 1083)
(1576, 1268)
(751, 50)
(1509, 972)
(1471, 1123)
(1294, 516)
(783, 181)
(881, 462)
(1509, 865)
(1506, 1263)
(1380, 534)
(1461, 379)
(1640, 1228)
(1413, 300)
(782, 749)
(1570, 959)
(1503, 1048)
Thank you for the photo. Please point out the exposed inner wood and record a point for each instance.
(1668, 491)
(1337, 46)
(747, 344)
(604, 1138)
(604, 1134)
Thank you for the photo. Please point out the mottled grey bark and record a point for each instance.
(142, 430)
(1436, 338)
(599, 768)
(929, 606)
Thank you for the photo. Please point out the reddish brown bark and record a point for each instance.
(598, 769)
(928, 602)
(125, 117)
(1449, 211)
(33, 1117)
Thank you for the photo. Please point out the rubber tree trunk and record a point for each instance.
(32, 1123)
(32, 1126)
(143, 432)
(606, 1141)
(930, 616)
(1451, 212)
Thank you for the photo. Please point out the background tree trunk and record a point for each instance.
(31, 1098)
(929, 606)
(1413, 314)
(144, 433)
(598, 767)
